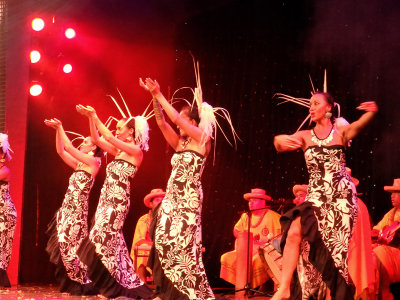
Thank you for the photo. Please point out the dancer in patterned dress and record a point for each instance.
(176, 260)
(104, 251)
(8, 213)
(317, 232)
(69, 225)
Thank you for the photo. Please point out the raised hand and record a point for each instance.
(87, 111)
(369, 106)
(150, 85)
(53, 123)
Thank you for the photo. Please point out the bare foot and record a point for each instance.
(281, 294)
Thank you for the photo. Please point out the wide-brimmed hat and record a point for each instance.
(257, 193)
(395, 188)
(355, 180)
(300, 187)
(151, 195)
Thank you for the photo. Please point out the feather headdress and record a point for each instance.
(5, 145)
(306, 102)
(207, 113)
(141, 125)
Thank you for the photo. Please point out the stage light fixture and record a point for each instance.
(37, 24)
(35, 56)
(67, 68)
(35, 90)
(70, 33)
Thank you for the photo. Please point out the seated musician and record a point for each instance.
(264, 225)
(141, 236)
(300, 193)
(388, 251)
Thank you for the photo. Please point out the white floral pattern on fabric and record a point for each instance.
(72, 225)
(8, 221)
(178, 231)
(333, 197)
(310, 279)
(106, 234)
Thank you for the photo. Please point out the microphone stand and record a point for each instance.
(247, 287)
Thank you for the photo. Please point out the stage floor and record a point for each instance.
(38, 292)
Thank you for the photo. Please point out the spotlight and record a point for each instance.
(35, 90)
(35, 56)
(37, 24)
(67, 68)
(70, 33)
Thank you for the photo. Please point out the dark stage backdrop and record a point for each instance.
(248, 50)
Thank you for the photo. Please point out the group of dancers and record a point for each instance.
(98, 261)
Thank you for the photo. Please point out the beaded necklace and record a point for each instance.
(324, 141)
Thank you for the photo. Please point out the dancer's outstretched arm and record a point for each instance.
(99, 141)
(85, 158)
(193, 131)
(169, 134)
(352, 130)
(109, 139)
(60, 147)
(284, 142)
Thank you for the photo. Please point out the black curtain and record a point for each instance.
(248, 51)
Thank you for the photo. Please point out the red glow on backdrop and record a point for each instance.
(37, 24)
(67, 68)
(70, 33)
(35, 90)
(35, 56)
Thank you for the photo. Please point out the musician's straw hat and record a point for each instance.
(395, 188)
(258, 194)
(154, 193)
(300, 187)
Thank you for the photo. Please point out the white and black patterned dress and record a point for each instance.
(104, 251)
(8, 221)
(67, 230)
(327, 218)
(178, 269)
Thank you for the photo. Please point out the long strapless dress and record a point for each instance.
(327, 218)
(104, 251)
(177, 263)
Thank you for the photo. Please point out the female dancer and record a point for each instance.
(8, 213)
(178, 269)
(69, 225)
(104, 251)
(317, 232)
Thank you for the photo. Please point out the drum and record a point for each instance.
(273, 262)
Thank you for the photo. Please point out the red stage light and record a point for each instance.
(35, 56)
(67, 68)
(35, 90)
(70, 33)
(37, 24)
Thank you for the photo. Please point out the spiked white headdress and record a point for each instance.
(141, 125)
(5, 145)
(207, 113)
(306, 102)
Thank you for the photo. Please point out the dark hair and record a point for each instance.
(329, 99)
(98, 152)
(130, 124)
(192, 112)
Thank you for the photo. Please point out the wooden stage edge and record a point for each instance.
(38, 292)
